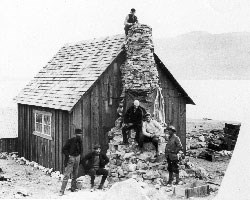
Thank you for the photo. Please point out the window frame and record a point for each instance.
(42, 134)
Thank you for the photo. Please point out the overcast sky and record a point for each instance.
(33, 31)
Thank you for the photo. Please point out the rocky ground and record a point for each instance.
(19, 180)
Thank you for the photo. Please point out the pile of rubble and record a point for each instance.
(127, 161)
(215, 144)
(22, 161)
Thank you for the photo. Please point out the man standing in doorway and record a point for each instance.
(72, 151)
(172, 152)
(94, 164)
(133, 120)
(130, 20)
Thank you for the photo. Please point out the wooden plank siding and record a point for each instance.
(9, 145)
(95, 113)
(175, 105)
(46, 152)
(99, 107)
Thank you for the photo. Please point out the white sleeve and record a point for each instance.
(144, 130)
(158, 126)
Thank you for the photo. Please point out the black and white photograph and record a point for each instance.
(125, 100)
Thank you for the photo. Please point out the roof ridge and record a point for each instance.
(93, 40)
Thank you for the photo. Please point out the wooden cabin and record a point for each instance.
(80, 87)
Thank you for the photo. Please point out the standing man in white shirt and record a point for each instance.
(151, 130)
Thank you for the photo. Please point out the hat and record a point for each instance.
(147, 114)
(97, 146)
(78, 131)
(171, 128)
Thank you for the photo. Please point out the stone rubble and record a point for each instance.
(139, 70)
(127, 161)
(207, 144)
(129, 189)
(22, 161)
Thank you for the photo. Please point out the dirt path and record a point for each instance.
(25, 180)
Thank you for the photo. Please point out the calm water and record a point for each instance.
(216, 99)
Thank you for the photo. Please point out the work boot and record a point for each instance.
(102, 182)
(92, 188)
(61, 193)
(177, 179)
(64, 184)
(170, 179)
(100, 187)
(73, 186)
(73, 189)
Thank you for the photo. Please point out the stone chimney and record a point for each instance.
(139, 70)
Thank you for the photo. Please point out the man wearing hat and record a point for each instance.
(133, 120)
(130, 20)
(172, 152)
(94, 164)
(151, 130)
(72, 151)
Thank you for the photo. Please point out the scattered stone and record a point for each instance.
(201, 173)
(2, 178)
(202, 138)
(125, 190)
(3, 155)
(23, 192)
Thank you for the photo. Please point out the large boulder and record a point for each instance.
(126, 190)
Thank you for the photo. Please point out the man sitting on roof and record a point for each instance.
(151, 130)
(130, 20)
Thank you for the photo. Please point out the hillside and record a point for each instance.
(201, 55)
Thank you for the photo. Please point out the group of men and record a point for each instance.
(146, 131)
(149, 130)
(146, 128)
(94, 162)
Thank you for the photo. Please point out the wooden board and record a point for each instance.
(188, 191)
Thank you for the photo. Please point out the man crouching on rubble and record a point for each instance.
(94, 164)
(173, 153)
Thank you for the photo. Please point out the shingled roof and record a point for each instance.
(70, 73)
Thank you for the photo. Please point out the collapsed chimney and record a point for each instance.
(139, 70)
(139, 73)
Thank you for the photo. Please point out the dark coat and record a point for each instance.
(72, 149)
(132, 19)
(172, 148)
(134, 117)
(88, 161)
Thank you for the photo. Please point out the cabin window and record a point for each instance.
(42, 124)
